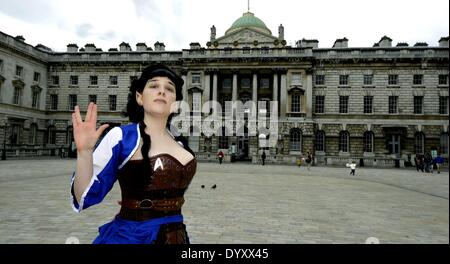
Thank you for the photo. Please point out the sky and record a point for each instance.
(177, 23)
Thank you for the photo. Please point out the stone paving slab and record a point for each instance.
(251, 204)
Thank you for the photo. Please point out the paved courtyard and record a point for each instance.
(251, 204)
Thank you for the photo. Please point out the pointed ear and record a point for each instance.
(139, 98)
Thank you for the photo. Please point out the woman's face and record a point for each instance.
(158, 96)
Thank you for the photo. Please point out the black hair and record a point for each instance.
(135, 112)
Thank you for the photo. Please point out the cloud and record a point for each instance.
(83, 30)
(28, 11)
(109, 35)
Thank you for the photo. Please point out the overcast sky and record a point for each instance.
(106, 23)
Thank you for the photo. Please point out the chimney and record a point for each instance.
(141, 47)
(195, 46)
(124, 47)
(385, 41)
(90, 47)
(307, 43)
(341, 43)
(159, 46)
(281, 32)
(443, 42)
(43, 48)
(72, 47)
(20, 38)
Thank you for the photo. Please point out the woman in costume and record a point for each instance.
(154, 168)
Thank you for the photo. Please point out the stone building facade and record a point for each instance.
(379, 106)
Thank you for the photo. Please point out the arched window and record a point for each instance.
(368, 141)
(343, 141)
(320, 141)
(419, 139)
(295, 139)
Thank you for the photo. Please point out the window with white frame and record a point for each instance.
(320, 104)
(113, 80)
(417, 79)
(443, 79)
(37, 77)
(295, 139)
(418, 104)
(393, 79)
(393, 104)
(368, 79)
(32, 139)
(113, 102)
(73, 80)
(343, 141)
(35, 99)
(226, 83)
(92, 98)
(443, 105)
(295, 102)
(72, 101)
(246, 83)
(196, 102)
(93, 80)
(319, 79)
(51, 135)
(55, 80)
(196, 79)
(368, 104)
(53, 102)
(343, 79)
(19, 71)
(264, 83)
(17, 98)
(343, 104)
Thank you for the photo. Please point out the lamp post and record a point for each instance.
(5, 128)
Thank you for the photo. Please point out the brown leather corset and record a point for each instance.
(161, 194)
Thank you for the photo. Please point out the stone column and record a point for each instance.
(275, 87)
(255, 88)
(207, 88)
(234, 92)
(308, 94)
(184, 90)
(215, 90)
(283, 95)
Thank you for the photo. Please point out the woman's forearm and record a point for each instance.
(83, 173)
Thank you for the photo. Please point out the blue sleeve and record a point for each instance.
(105, 167)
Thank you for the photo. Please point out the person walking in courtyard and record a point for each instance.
(438, 161)
(153, 167)
(352, 166)
(308, 160)
(263, 158)
(220, 155)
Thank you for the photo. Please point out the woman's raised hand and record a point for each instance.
(86, 133)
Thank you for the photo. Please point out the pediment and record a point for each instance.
(246, 35)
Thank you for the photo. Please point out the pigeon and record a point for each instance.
(214, 186)
(203, 186)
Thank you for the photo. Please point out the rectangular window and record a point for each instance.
(443, 105)
(320, 104)
(417, 79)
(443, 79)
(17, 95)
(54, 102)
(93, 98)
(368, 79)
(418, 104)
(19, 71)
(343, 80)
(37, 77)
(196, 78)
(72, 101)
(73, 80)
(112, 102)
(393, 104)
(295, 104)
(245, 83)
(226, 83)
(1, 65)
(368, 104)
(35, 100)
(132, 78)
(55, 80)
(343, 104)
(393, 79)
(196, 101)
(93, 80)
(112, 80)
(264, 83)
(320, 79)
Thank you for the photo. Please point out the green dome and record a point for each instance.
(248, 20)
